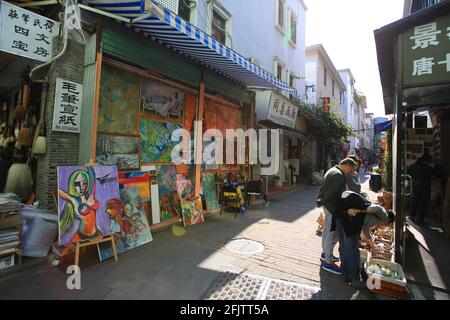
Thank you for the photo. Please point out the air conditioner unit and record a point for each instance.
(172, 5)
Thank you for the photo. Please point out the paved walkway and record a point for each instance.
(184, 263)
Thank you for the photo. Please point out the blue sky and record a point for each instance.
(345, 28)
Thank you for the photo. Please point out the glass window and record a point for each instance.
(279, 71)
(293, 28)
(184, 10)
(219, 25)
(281, 13)
(324, 76)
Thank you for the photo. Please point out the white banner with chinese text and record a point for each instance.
(26, 33)
(66, 115)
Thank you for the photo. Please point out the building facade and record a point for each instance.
(351, 109)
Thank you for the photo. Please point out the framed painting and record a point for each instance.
(210, 193)
(121, 151)
(161, 99)
(86, 201)
(119, 101)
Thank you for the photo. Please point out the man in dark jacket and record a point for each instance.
(329, 197)
(421, 173)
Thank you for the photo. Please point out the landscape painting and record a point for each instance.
(117, 150)
(86, 197)
(156, 143)
(119, 101)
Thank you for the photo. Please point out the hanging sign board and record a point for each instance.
(426, 54)
(282, 111)
(67, 108)
(26, 33)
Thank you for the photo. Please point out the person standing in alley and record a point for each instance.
(421, 173)
(329, 197)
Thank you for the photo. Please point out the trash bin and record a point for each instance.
(375, 182)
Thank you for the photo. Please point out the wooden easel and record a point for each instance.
(86, 243)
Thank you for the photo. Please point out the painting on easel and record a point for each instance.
(135, 230)
(85, 196)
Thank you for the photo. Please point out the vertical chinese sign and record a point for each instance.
(25, 33)
(426, 54)
(67, 109)
(282, 111)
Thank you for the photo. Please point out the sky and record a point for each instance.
(345, 28)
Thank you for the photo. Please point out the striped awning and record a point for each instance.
(161, 24)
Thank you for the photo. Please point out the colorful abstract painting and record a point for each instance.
(192, 211)
(168, 200)
(162, 99)
(86, 196)
(119, 101)
(191, 208)
(209, 191)
(117, 150)
(156, 143)
(131, 216)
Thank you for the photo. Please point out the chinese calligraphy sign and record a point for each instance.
(67, 110)
(25, 33)
(426, 54)
(282, 111)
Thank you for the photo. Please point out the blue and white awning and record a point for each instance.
(161, 24)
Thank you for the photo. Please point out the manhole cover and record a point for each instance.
(280, 290)
(231, 286)
(245, 246)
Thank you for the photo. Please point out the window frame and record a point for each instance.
(291, 15)
(325, 76)
(224, 14)
(280, 28)
(277, 62)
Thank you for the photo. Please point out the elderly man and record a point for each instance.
(329, 197)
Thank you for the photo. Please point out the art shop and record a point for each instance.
(109, 98)
(415, 77)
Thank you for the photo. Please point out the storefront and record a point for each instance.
(276, 112)
(414, 61)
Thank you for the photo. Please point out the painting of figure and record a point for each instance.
(83, 194)
(191, 207)
(134, 228)
(157, 97)
(156, 143)
(167, 192)
(122, 152)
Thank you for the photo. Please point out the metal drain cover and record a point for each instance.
(245, 246)
(280, 290)
(233, 286)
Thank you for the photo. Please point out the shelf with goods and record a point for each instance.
(10, 231)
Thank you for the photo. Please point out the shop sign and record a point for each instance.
(282, 111)
(426, 54)
(67, 109)
(26, 33)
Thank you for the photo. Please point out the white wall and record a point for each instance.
(254, 33)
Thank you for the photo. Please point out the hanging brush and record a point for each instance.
(40, 140)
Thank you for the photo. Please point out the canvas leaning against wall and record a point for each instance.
(168, 201)
(130, 214)
(84, 196)
(210, 193)
(191, 208)
(156, 143)
(117, 150)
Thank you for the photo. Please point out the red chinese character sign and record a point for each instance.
(25, 33)
(67, 109)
